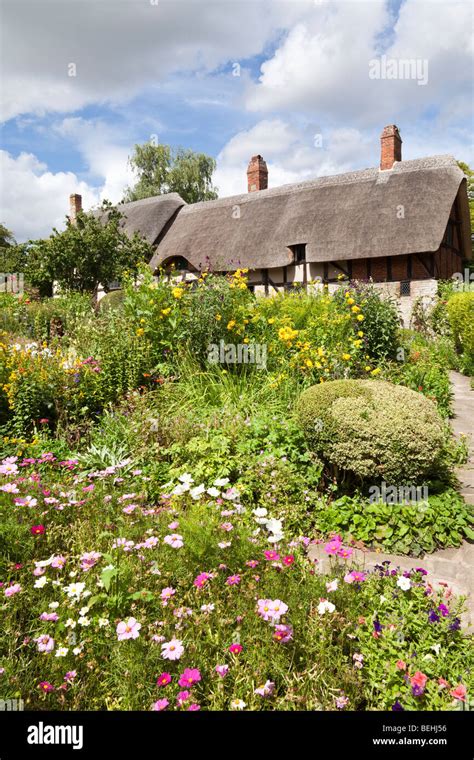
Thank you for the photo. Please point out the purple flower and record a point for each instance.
(396, 707)
(444, 610)
(377, 626)
(455, 625)
(417, 690)
(433, 617)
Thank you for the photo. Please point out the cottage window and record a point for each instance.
(405, 288)
(299, 253)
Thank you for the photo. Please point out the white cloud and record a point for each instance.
(121, 47)
(35, 199)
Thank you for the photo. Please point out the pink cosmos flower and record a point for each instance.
(172, 650)
(10, 488)
(288, 560)
(222, 670)
(159, 705)
(164, 679)
(252, 563)
(11, 590)
(183, 697)
(355, 577)
(166, 594)
(443, 684)
(50, 617)
(233, 580)
(70, 675)
(189, 677)
(46, 686)
(174, 540)
(283, 633)
(201, 579)
(37, 530)
(271, 609)
(58, 562)
(89, 559)
(344, 552)
(266, 690)
(333, 546)
(194, 707)
(271, 556)
(173, 525)
(342, 702)
(45, 643)
(459, 692)
(235, 648)
(128, 629)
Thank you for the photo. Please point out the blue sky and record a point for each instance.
(166, 71)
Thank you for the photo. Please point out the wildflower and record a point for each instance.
(177, 293)
(404, 583)
(89, 559)
(163, 680)
(129, 629)
(358, 660)
(252, 563)
(283, 633)
(360, 317)
(174, 540)
(83, 620)
(46, 686)
(61, 651)
(238, 704)
(58, 562)
(45, 643)
(10, 488)
(342, 702)
(201, 579)
(37, 530)
(235, 648)
(444, 610)
(207, 608)
(459, 692)
(103, 622)
(222, 670)
(166, 594)
(11, 590)
(355, 577)
(70, 675)
(288, 560)
(271, 556)
(183, 697)
(397, 707)
(443, 684)
(325, 606)
(75, 590)
(233, 580)
(332, 585)
(49, 617)
(266, 690)
(269, 609)
(433, 617)
(159, 705)
(189, 677)
(172, 650)
(418, 683)
(455, 625)
(194, 707)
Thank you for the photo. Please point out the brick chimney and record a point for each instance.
(75, 205)
(257, 174)
(390, 146)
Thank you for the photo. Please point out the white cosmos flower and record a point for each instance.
(61, 651)
(238, 704)
(41, 582)
(197, 491)
(325, 606)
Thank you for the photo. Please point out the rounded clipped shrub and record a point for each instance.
(112, 300)
(373, 430)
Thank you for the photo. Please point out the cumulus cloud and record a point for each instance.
(33, 199)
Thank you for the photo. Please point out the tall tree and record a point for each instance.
(91, 252)
(470, 194)
(161, 170)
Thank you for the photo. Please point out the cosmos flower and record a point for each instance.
(189, 677)
(174, 540)
(163, 680)
(222, 670)
(159, 705)
(128, 629)
(325, 606)
(172, 650)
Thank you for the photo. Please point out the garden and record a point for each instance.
(170, 454)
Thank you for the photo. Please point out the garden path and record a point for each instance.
(454, 566)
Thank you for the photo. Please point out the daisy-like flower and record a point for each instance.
(58, 562)
(166, 595)
(332, 585)
(220, 482)
(160, 705)
(128, 629)
(222, 670)
(172, 650)
(15, 588)
(266, 690)
(75, 590)
(103, 622)
(238, 704)
(89, 559)
(174, 540)
(10, 488)
(233, 580)
(61, 651)
(283, 633)
(8, 467)
(163, 680)
(325, 606)
(189, 677)
(235, 648)
(207, 608)
(45, 643)
(41, 582)
(46, 686)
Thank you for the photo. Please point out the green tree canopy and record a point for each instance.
(470, 191)
(94, 251)
(160, 169)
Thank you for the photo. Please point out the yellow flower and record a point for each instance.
(140, 332)
(346, 357)
(165, 312)
(360, 317)
(231, 324)
(368, 369)
(309, 363)
(142, 321)
(218, 317)
(177, 292)
(287, 333)
(350, 301)
(375, 371)
(246, 340)
(355, 309)
(271, 320)
(360, 334)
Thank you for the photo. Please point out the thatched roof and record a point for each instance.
(347, 216)
(149, 216)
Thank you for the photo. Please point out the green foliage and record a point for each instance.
(403, 528)
(372, 430)
(92, 251)
(461, 317)
(381, 320)
(162, 170)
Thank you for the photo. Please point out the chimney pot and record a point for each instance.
(390, 146)
(75, 206)
(257, 174)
